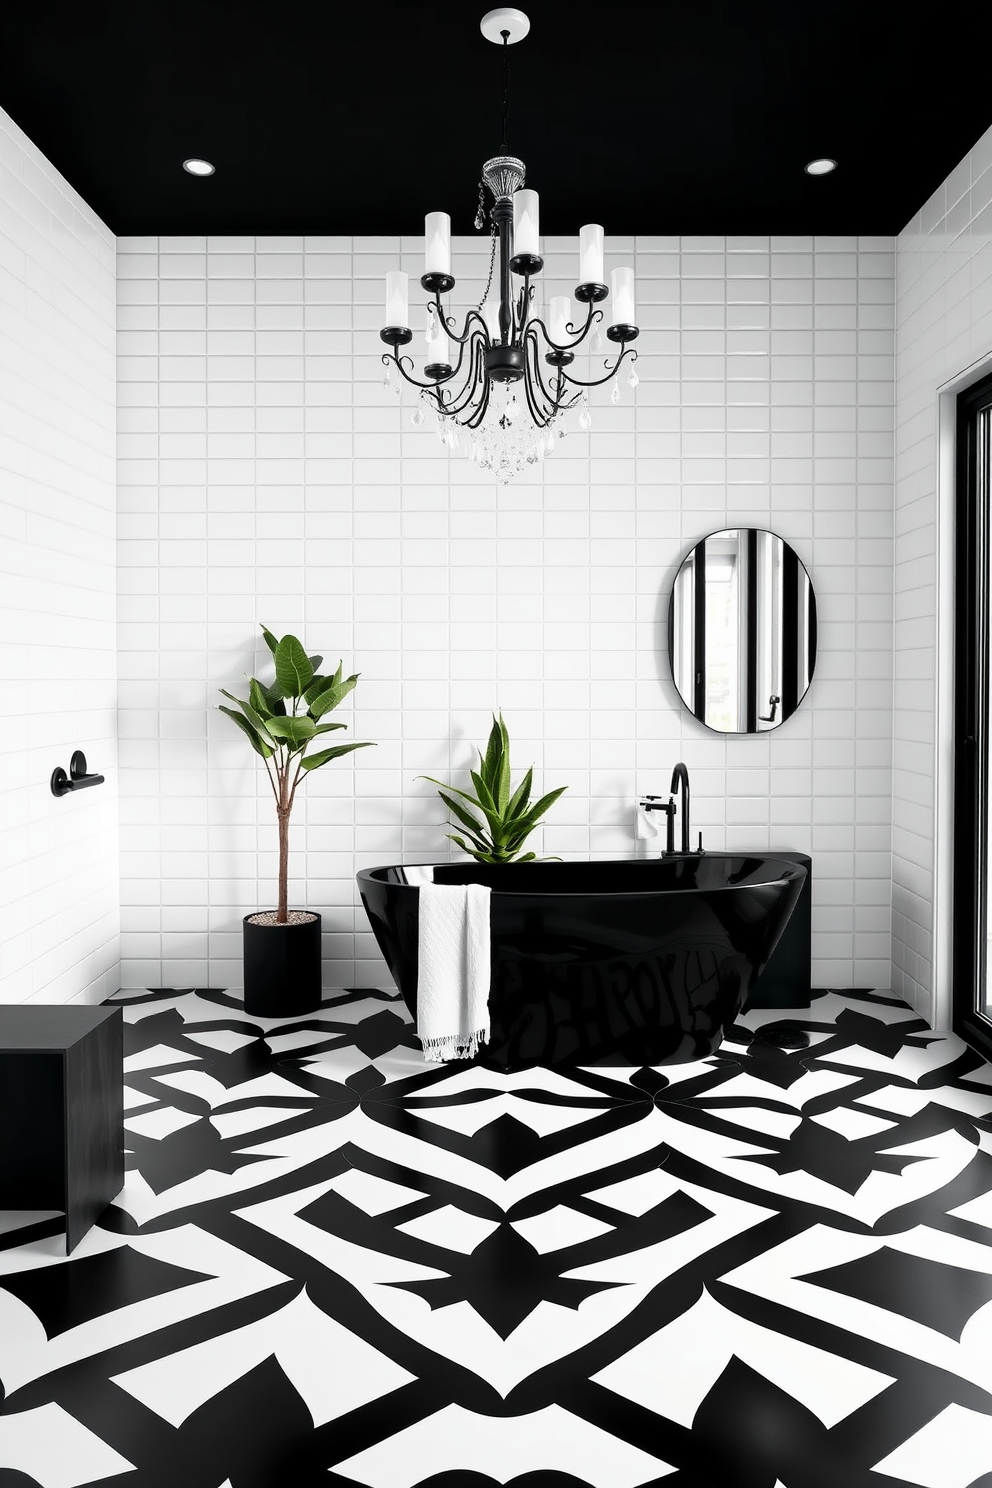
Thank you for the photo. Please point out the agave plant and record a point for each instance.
(280, 719)
(508, 819)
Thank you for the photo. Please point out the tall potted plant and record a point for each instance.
(281, 719)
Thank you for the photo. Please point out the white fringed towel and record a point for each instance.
(453, 970)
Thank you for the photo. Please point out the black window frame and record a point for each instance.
(972, 720)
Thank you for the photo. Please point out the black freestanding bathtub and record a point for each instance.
(629, 962)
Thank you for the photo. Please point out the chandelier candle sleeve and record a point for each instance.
(438, 243)
(397, 299)
(591, 254)
(437, 342)
(526, 236)
(490, 314)
(622, 286)
(559, 314)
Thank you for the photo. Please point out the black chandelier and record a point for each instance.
(471, 377)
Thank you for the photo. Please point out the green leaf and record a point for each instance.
(277, 707)
(316, 687)
(333, 695)
(533, 816)
(485, 801)
(456, 788)
(325, 728)
(521, 828)
(257, 723)
(315, 662)
(465, 817)
(314, 761)
(490, 764)
(293, 670)
(480, 854)
(502, 792)
(270, 640)
(259, 698)
(256, 743)
(521, 795)
(482, 843)
(482, 791)
(295, 731)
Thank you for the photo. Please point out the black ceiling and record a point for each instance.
(358, 118)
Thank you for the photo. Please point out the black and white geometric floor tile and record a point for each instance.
(335, 1264)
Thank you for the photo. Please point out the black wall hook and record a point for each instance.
(77, 778)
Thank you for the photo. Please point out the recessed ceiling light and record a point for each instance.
(820, 167)
(204, 168)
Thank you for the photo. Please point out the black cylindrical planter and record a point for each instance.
(282, 968)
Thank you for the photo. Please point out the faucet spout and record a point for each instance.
(680, 777)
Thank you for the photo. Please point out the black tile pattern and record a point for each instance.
(64, 1297)
(335, 1264)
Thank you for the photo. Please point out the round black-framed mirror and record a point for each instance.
(742, 630)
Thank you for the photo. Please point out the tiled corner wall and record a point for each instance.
(58, 858)
(265, 474)
(943, 327)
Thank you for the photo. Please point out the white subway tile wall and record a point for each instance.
(265, 475)
(943, 326)
(58, 858)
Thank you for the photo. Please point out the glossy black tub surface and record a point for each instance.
(628, 962)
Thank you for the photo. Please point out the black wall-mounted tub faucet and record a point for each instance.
(680, 776)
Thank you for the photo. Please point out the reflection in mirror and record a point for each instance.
(742, 631)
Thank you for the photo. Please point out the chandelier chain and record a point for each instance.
(492, 266)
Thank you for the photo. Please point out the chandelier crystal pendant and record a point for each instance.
(486, 383)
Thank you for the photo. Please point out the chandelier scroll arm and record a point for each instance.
(523, 318)
(563, 403)
(456, 369)
(448, 322)
(541, 416)
(397, 361)
(592, 315)
(455, 373)
(472, 378)
(476, 420)
(553, 400)
(610, 372)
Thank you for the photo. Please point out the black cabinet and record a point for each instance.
(62, 1111)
